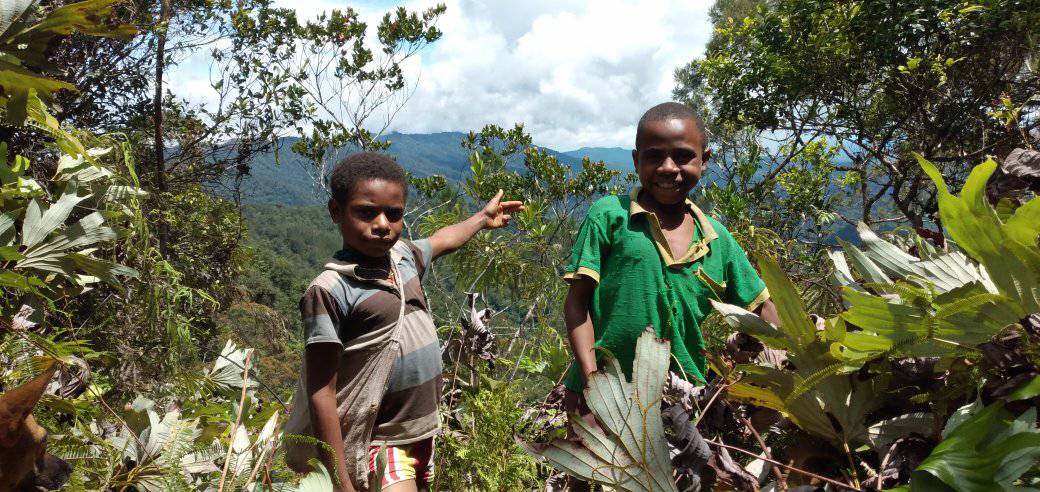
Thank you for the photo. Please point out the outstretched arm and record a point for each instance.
(495, 214)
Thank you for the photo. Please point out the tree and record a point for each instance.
(333, 87)
(878, 80)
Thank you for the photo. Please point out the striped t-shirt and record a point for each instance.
(355, 306)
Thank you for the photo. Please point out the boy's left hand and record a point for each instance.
(497, 213)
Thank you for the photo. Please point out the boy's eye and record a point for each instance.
(683, 156)
(653, 156)
(394, 214)
(366, 213)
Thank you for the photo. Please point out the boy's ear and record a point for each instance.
(635, 158)
(334, 211)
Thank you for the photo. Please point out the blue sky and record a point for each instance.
(576, 73)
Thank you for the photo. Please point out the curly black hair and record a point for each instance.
(360, 166)
(668, 111)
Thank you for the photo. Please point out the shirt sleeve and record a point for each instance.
(321, 317)
(422, 250)
(591, 244)
(744, 287)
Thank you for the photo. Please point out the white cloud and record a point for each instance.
(576, 73)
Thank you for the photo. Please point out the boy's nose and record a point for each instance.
(381, 223)
(668, 166)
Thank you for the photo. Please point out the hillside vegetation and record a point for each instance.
(152, 253)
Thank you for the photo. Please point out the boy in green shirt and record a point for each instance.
(652, 258)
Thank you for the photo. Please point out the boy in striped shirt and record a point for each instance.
(372, 360)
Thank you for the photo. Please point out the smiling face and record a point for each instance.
(372, 218)
(670, 158)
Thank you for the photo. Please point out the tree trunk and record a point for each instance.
(160, 157)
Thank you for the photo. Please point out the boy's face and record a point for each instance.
(371, 220)
(671, 157)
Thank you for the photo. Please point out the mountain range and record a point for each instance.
(284, 179)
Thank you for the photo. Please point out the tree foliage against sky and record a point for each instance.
(953, 80)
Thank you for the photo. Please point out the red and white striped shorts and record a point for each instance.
(412, 461)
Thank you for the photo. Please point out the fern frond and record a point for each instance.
(806, 384)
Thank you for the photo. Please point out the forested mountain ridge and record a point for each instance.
(615, 157)
(283, 178)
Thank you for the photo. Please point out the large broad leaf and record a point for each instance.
(40, 220)
(7, 229)
(12, 11)
(631, 452)
(888, 431)
(228, 368)
(1009, 251)
(86, 232)
(811, 393)
(985, 452)
(880, 261)
(953, 322)
(318, 480)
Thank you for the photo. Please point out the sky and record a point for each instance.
(576, 73)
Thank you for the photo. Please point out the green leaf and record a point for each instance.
(887, 431)
(956, 321)
(1012, 264)
(88, 17)
(40, 222)
(11, 11)
(631, 453)
(747, 322)
(8, 253)
(1026, 391)
(107, 271)
(7, 228)
(19, 281)
(88, 231)
(984, 453)
(881, 262)
(863, 265)
(842, 275)
(794, 321)
(1024, 224)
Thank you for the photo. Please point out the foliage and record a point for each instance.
(879, 81)
(940, 306)
(630, 452)
(26, 35)
(151, 390)
(39, 238)
(327, 84)
(482, 453)
(987, 450)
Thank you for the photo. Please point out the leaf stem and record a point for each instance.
(238, 420)
(777, 463)
(781, 480)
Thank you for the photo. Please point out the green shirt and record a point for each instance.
(620, 245)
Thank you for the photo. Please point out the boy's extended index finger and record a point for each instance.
(512, 205)
(498, 196)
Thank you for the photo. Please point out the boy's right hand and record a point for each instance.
(497, 213)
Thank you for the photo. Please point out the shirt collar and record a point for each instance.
(634, 208)
(346, 261)
(349, 256)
